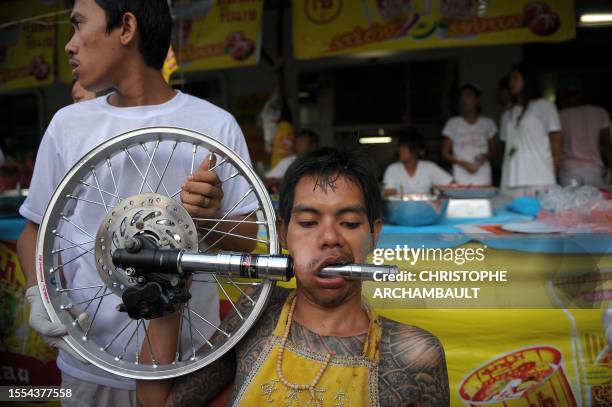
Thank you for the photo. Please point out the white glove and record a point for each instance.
(51, 332)
(608, 326)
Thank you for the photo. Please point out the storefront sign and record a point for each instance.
(217, 34)
(27, 49)
(323, 28)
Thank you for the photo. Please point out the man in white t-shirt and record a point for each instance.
(305, 142)
(469, 140)
(409, 174)
(123, 46)
(585, 129)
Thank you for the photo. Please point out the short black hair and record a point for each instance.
(326, 165)
(154, 25)
(311, 134)
(412, 139)
(471, 86)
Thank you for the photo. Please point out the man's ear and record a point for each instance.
(129, 29)
(281, 228)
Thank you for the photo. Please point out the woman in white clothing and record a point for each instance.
(531, 130)
(409, 174)
(469, 140)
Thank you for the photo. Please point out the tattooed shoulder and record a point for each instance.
(412, 367)
(203, 385)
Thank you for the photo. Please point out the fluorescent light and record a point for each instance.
(375, 140)
(596, 18)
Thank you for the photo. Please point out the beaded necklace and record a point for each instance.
(279, 362)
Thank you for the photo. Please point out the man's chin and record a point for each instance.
(328, 297)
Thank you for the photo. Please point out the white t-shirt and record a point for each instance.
(426, 176)
(78, 128)
(281, 168)
(531, 164)
(469, 141)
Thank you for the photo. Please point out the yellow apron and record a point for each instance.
(347, 380)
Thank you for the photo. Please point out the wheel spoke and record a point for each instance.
(202, 335)
(234, 175)
(193, 154)
(241, 291)
(70, 241)
(137, 168)
(220, 163)
(225, 234)
(93, 299)
(63, 249)
(117, 335)
(76, 226)
(93, 171)
(87, 184)
(153, 358)
(161, 178)
(91, 323)
(252, 222)
(110, 167)
(190, 329)
(155, 168)
(61, 290)
(228, 297)
(235, 235)
(210, 323)
(59, 266)
(120, 356)
(226, 214)
(148, 165)
(69, 196)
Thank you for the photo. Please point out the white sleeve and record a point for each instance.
(48, 172)
(491, 128)
(439, 176)
(236, 191)
(449, 129)
(279, 170)
(503, 125)
(552, 122)
(389, 179)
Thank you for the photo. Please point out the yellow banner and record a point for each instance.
(27, 49)
(219, 34)
(324, 28)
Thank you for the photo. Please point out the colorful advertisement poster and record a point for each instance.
(324, 28)
(217, 34)
(27, 49)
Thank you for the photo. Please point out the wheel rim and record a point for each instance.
(66, 244)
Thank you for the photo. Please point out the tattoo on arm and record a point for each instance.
(413, 368)
(200, 387)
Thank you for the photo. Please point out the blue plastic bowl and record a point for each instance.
(415, 210)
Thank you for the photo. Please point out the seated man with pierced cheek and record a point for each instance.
(320, 344)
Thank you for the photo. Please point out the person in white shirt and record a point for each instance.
(305, 142)
(410, 174)
(469, 140)
(586, 137)
(122, 46)
(531, 130)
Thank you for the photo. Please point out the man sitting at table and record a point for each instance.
(305, 142)
(411, 174)
(320, 343)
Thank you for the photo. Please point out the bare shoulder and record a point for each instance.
(412, 367)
